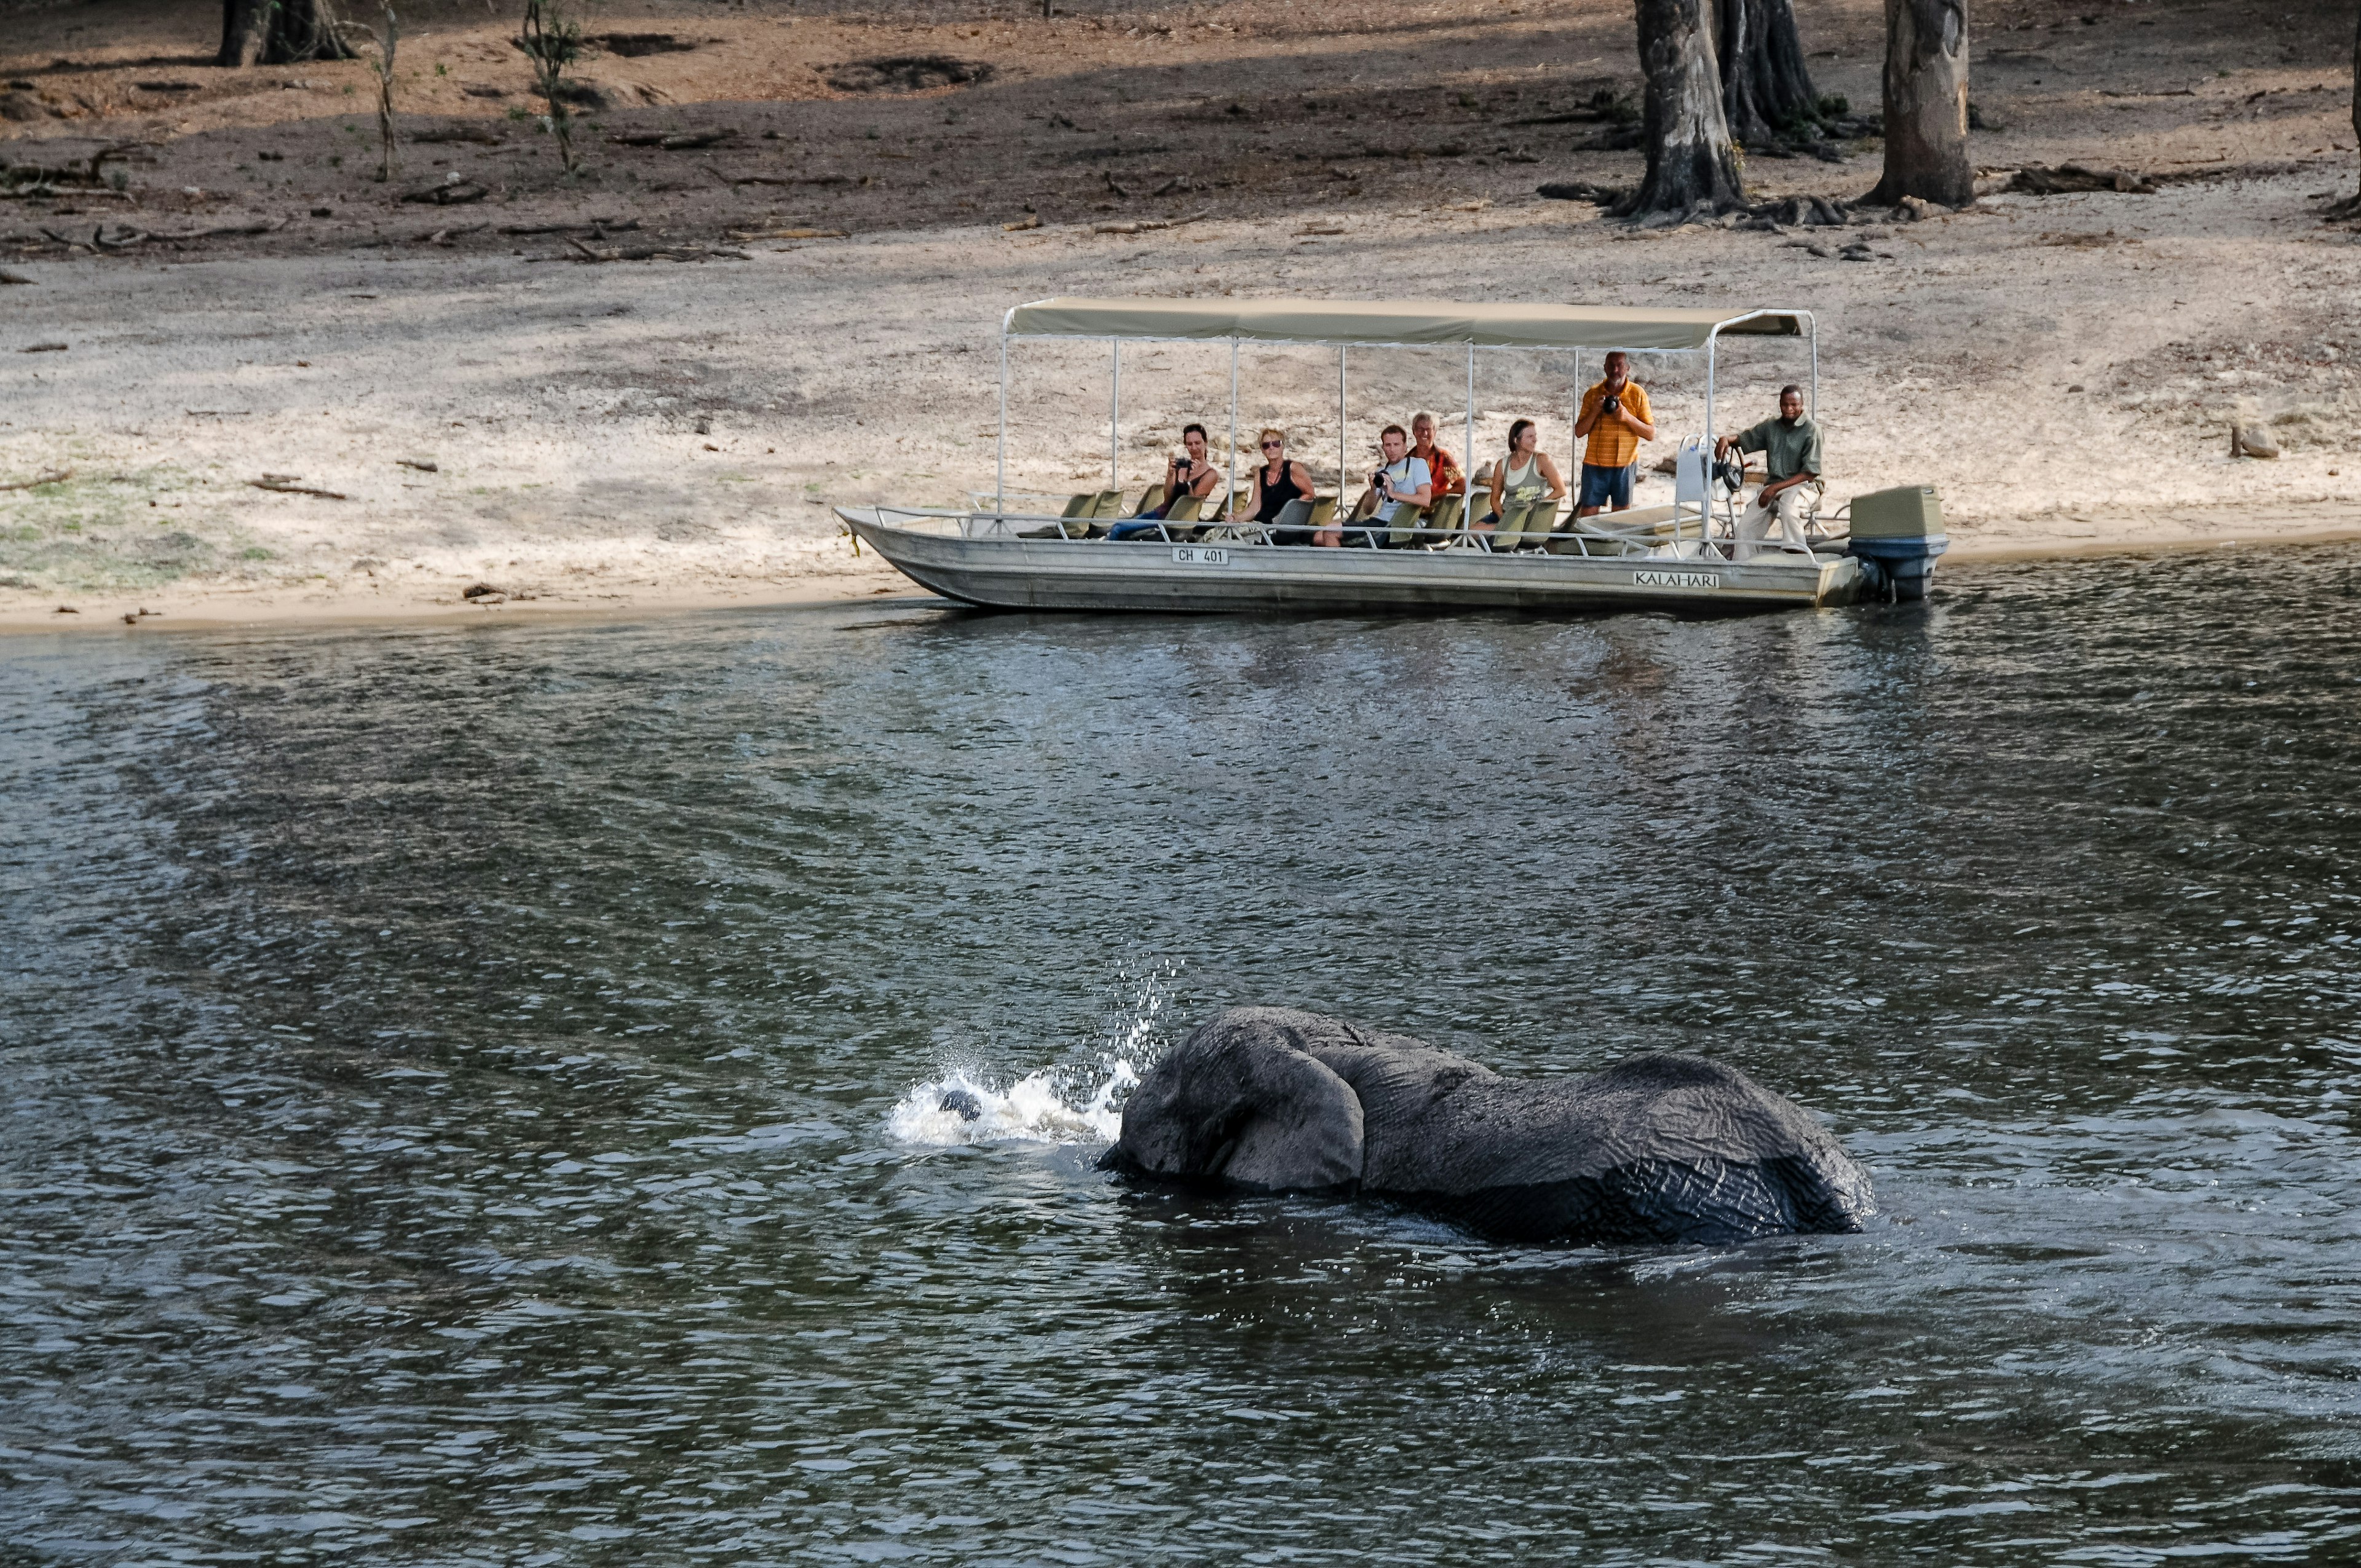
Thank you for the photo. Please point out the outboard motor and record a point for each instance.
(1897, 535)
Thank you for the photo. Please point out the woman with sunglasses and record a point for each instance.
(1277, 481)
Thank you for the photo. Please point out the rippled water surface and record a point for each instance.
(470, 1094)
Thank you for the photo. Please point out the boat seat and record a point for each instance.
(1508, 533)
(1442, 522)
(1149, 498)
(1401, 531)
(1293, 523)
(1185, 510)
(1083, 505)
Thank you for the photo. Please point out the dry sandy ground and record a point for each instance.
(629, 435)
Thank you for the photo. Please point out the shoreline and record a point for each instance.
(272, 609)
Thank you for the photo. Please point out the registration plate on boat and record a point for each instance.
(1676, 579)
(1198, 555)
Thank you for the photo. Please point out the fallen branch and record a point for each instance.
(1146, 225)
(610, 225)
(45, 348)
(1029, 221)
(745, 234)
(671, 142)
(2073, 177)
(8, 277)
(480, 135)
(60, 477)
(225, 231)
(658, 253)
(419, 464)
(777, 179)
(450, 193)
(1581, 191)
(79, 193)
(444, 237)
(284, 487)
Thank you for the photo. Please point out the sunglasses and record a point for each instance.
(1273, 445)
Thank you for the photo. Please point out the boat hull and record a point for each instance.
(1002, 571)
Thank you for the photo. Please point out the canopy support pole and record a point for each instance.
(1114, 415)
(1705, 506)
(1230, 502)
(1468, 450)
(1812, 334)
(1000, 456)
(1340, 426)
(1572, 452)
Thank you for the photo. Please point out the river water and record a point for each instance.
(470, 1094)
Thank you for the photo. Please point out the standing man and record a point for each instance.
(1616, 417)
(1790, 445)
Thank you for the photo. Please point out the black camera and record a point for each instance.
(1612, 405)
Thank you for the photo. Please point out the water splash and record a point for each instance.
(1044, 1107)
(1049, 1105)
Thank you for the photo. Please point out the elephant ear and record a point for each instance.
(1241, 1107)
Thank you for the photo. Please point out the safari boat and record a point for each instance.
(1003, 552)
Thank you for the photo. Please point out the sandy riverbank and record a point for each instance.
(626, 437)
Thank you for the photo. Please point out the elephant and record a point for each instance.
(1658, 1148)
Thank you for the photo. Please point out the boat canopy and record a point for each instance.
(1400, 322)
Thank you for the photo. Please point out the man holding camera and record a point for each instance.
(1790, 445)
(1616, 417)
(1404, 481)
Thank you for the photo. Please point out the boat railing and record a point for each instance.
(1686, 533)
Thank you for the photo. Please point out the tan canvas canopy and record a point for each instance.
(1346, 324)
(1398, 322)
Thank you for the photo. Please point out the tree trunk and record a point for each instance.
(1927, 103)
(278, 32)
(1689, 157)
(2351, 206)
(1765, 91)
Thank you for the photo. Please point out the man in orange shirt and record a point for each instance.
(1615, 416)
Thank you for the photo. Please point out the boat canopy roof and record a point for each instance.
(1400, 322)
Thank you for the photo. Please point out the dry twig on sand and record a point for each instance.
(743, 235)
(285, 485)
(1145, 225)
(59, 477)
(658, 252)
(671, 142)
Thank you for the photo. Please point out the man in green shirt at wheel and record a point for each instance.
(1790, 445)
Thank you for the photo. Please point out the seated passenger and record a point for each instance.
(1279, 479)
(1790, 445)
(1403, 481)
(1439, 463)
(1189, 474)
(1526, 474)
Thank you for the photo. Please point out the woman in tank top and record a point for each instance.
(1526, 474)
(1277, 481)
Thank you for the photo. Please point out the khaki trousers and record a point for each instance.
(1754, 523)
